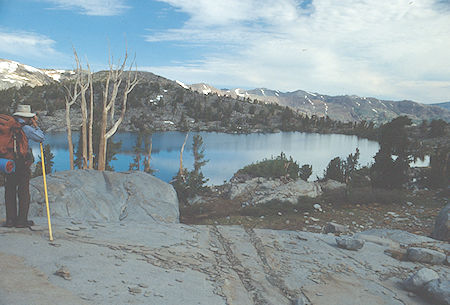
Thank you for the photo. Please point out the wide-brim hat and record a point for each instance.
(24, 111)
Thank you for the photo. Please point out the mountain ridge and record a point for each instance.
(345, 108)
(15, 74)
(445, 105)
(342, 108)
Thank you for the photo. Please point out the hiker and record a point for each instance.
(17, 183)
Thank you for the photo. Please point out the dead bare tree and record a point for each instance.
(113, 81)
(71, 97)
(91, 119)
(84, 85)
(181, 154)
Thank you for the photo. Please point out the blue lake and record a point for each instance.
(226, 152)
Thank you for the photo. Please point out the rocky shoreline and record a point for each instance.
(160, 122)
(56, 123)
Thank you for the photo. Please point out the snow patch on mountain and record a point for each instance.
(238, 92)
(8, 66)
(206, 90)
(14, 74)
(32, 69)
(57, 75)
(307, 98)
(182, 84)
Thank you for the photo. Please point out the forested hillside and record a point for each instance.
(157, 103)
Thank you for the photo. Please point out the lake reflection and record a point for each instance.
(227, 152)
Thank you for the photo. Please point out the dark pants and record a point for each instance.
(18, 183)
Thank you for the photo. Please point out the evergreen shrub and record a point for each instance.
(277, 167)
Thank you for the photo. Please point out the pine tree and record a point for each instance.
(391, 166)
(48, 160)
(196, 180)
(335, 170)
(305, 172)
(351, 164)
(190, 183)
(440, 167)
(136, 164)
(437, 128)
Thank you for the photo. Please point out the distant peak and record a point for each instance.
(15, 74)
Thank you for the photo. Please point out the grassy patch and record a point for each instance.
(212, 209)
(336, 197)
(368, 195)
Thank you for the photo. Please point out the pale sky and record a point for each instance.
(382, 48)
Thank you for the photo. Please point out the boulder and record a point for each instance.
(418, 280)
(332, 185)
(104, 196)
(332, 227)
(382, 241)
(442, 225)
(317, 207)
(439, 291)
(349, 243)
(406, 238)
(423, 255)
(260, 190)
(397, 253)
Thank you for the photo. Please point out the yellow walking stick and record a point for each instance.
(46, 195)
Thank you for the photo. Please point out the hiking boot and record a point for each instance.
(8, 224)
(25, 224)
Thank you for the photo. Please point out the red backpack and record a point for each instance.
(13, 141)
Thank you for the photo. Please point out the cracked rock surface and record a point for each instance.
(162, 263)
